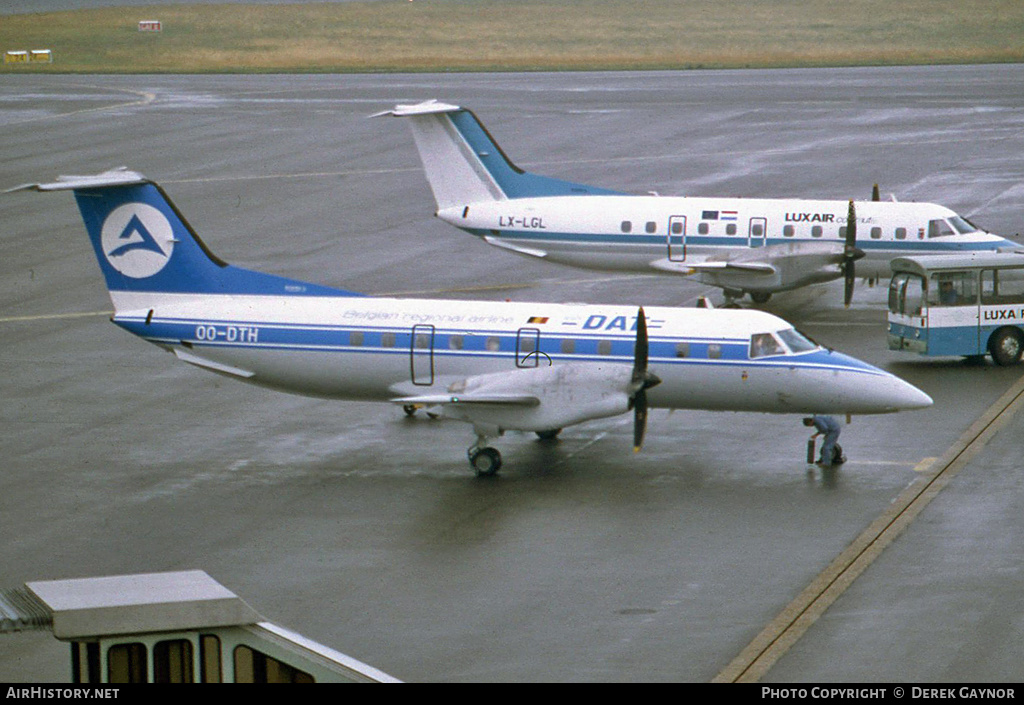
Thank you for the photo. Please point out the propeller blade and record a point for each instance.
(850, 255)
(640, 349)
(639, 418)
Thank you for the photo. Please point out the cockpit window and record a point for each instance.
(796, 341)
(962, 225)
(765, 344)
(939, 228)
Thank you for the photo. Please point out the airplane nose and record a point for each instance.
(908, 397)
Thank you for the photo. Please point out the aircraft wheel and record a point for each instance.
(485, 461)
(409, 409)
(549, 435)
(1006, 346)
(760, 297)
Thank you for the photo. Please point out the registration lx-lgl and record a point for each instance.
(754, 246)
(496, 365)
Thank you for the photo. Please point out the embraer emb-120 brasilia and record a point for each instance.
(496, 365)
(754, 246)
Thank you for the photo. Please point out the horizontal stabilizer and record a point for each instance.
(427, 107)
(115, 177)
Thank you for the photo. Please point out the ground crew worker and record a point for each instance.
(829, 427)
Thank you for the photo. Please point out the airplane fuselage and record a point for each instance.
(348, 347)
(665, 233)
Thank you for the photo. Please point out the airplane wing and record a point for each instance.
(498, 242)
(770, 268)
(470, 399)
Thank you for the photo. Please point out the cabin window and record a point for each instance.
(604, 347)
(876, 233)
(355, 338)
(209, 659)
(682, 349)
(703, 228)
(651, 227)
(788, 231)
(677, 228)
(455, 342)
(126, 663)
(493, 343)
(568, 346)
(901, 233)
(714, 351)
(757, 230)
(172, 661)
(816, 231)
(252, 666)
(730, 229)
(627, 227)
(387, 340)
(765, 344)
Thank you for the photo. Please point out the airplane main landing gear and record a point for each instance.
(485, 461)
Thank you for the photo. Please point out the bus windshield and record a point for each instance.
(906, 294)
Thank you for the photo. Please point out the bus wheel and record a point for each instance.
(1006, 346)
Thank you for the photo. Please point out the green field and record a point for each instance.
(519, 35)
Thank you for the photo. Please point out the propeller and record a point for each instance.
(641, 382)
(850, 255)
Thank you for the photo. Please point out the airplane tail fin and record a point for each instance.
(465, 165)
(146, 247)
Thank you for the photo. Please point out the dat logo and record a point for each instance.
(137, 240)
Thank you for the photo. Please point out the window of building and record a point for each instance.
(252, 666)
(209, 659)
(126, 663)
(172, 661)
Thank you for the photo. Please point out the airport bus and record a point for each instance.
(966, 305)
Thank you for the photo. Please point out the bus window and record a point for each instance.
(1002, 286)
(953, 289)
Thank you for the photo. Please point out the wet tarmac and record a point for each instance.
(365, 530)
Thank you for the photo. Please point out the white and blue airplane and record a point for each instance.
(754, 246)
(496, 365)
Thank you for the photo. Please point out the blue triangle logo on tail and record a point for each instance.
(137, 236)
